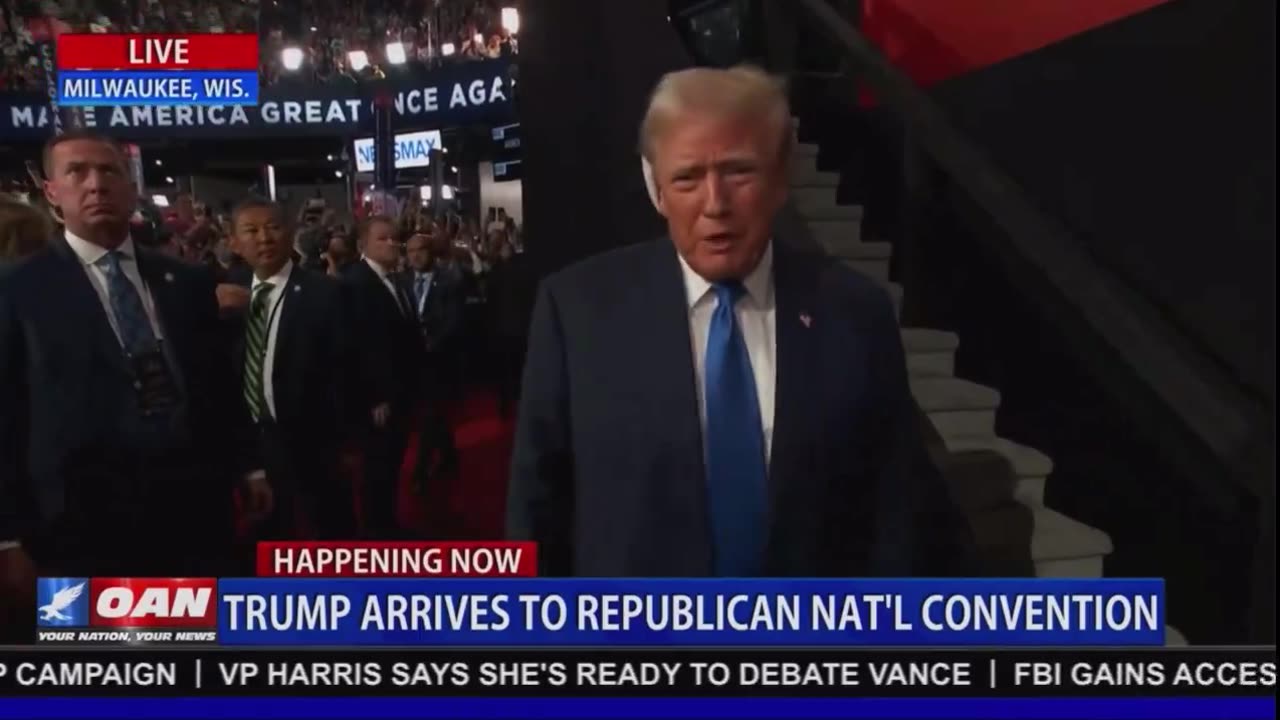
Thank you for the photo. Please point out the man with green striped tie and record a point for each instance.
(292, 355)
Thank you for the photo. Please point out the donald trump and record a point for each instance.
(712, 403)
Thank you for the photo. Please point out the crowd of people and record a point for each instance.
(325, 31)
(297, 354)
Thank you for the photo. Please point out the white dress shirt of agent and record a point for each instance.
(772, 432)
(87, 181)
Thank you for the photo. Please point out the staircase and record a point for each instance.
(962, 412)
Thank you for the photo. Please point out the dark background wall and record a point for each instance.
(1153, 139)
(586, 68)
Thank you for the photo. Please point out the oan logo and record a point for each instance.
(62, 602)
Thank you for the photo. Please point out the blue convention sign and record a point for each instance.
(460, 94)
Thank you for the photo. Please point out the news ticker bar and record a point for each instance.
(640, 673)
(96, 88)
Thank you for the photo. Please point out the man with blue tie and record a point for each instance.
(121, 438)
(716, 403)
(437, 309)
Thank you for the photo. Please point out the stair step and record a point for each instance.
(804, 175)
(1062, 547)
(843, 238)
(803, 165)
(1030, 465)
(874, 269)
(804, 150)
(957, 408)
(930, 353)
(820, 204)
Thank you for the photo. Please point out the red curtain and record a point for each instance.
(933, 40)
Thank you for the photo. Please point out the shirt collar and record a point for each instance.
(90, 254)
(758, 283)
(377, 268)
(280, 279)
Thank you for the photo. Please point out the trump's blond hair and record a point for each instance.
(743, 93)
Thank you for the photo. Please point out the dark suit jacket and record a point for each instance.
(512, 286)
(309, 387)
(441, 314)
(308, 378)
(388, 344)
(607, 472)
(81, 470)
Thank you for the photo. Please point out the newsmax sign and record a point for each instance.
(412, 150)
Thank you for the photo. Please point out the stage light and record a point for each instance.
(292, 58)
(358, 59)
(395, 53)
(511, 20)
(160, 201)
(447, 49)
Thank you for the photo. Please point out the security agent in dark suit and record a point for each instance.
(713, 404)
(291, 357)
(121, 440)
(437, 309)
(389, 360)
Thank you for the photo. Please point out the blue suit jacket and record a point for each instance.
(607, 473)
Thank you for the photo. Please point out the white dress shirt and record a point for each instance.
(275, 300)
(385, 276)
(89, 255)
(757, 321)
(425, 278)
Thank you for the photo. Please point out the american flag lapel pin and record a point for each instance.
(806, 320)
(168, 277)
(297, 288)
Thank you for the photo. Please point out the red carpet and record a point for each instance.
(473, 505)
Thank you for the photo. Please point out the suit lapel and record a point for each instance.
(291, 309)
(795, 392)
(165, 294)
(81, 306)
(378, 289)
(672, 383)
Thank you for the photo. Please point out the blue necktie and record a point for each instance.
(736, 467)
(126, 304)
(420, 290)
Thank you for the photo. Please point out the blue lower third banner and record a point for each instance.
(85, 88)
(635, 612)
(366, 708)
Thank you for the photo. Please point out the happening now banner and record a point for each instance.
(461, 94)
